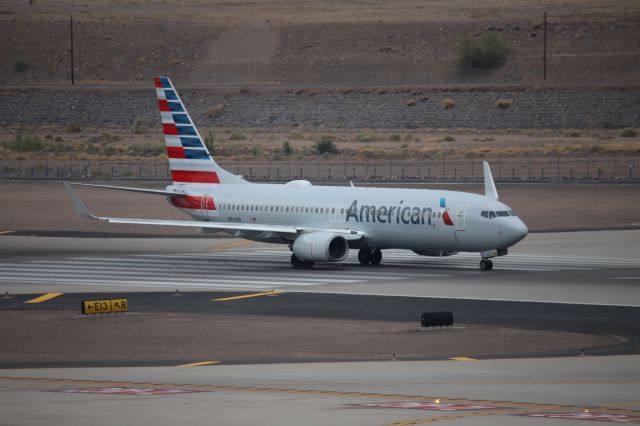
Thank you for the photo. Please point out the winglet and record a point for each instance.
(77, 203)
(490, 190)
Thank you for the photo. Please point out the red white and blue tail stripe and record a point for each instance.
(189, 159)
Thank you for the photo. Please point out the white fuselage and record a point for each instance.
(415, 219)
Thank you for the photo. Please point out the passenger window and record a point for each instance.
(439, 215)
(287, 210)
(316, 210)
(492, 215)
(321, 210)
(333, 210)
(485, 214)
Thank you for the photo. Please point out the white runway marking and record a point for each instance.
(244, 269)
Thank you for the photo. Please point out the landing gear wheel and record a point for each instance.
(368, 257)
(376, 257)
(486, 265)
(297, 263)
(364, 256)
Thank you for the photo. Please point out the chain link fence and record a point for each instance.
(559, 168)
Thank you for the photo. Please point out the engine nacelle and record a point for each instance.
(436, 253)
(321, 247)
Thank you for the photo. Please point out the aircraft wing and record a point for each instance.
(81, 209)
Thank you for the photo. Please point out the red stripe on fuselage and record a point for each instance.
(176, 152)
(194, 202)
(194, 176)
(163, 105)
(169, 129)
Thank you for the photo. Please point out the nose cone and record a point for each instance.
(515, 231)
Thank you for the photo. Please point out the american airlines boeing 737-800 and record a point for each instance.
(320, 223)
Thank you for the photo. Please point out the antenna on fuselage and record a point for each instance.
(490, 190)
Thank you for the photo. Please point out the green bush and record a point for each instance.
(286, 148)
(394, 137)
(628, 133)
(484, 52)
(326, 146)
(369, 137)
(25, 144)
(448, 138)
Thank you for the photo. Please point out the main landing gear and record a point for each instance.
(300, 264)
(370, 257)
(486, 265)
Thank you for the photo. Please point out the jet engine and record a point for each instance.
(437, 253)
(321, 247)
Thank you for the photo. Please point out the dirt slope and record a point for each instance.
(323, 42)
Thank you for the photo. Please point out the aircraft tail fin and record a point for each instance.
(490, 190)
(189, 159)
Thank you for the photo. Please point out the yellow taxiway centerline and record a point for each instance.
(246, 296)
(233, 244)
(200, 364)
(461, 358)
(44, 298)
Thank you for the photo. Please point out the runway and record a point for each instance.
(576, 282)
(601, 268)
(538, 392)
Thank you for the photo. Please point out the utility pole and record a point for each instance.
(71, 46)
(544, 66)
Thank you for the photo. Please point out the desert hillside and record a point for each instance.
(317, 43)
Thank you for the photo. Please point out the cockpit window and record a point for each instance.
(492, 214)
(512, 213)
(502, 213)
(484, 214)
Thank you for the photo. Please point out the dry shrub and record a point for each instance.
(215, 110)
(410, 102)
(448, 103)
(72, 128)
(504, 103)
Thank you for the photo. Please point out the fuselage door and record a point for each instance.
(461, 217)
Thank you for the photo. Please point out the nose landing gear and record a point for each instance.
(486, 265)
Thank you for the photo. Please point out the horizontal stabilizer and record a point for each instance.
(142, 190)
